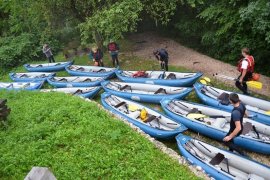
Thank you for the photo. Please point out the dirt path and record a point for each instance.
(145, 43)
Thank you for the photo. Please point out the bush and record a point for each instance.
(16, 50)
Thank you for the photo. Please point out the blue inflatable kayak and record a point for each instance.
(85, 92)
(75, 81)
(29, 77)
(95, 71)
(175, 79)
(145, 92)
(215, 124)
(219, 163)
(21, 85)
(47, 67)
(258, 108)
(155, 124)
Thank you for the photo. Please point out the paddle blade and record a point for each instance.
(195, 116)
(203, 82)
(132, 107)
(267, 112)
(254, 84)
(207, 79)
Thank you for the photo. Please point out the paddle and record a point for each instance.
(197, 116)
(252, 84)
(205, 80)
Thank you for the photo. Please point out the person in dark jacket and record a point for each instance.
(96, 56)
(113, 49)
(236, 123)
(163, 58)
(48, 53)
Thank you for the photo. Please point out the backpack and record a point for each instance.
(112, 47)
(140, 74)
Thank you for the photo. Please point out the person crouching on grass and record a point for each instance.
(96, 56)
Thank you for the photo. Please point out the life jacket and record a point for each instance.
(112, 46)
(140, 74)
(143, 115)
(251, 64)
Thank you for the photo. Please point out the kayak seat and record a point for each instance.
(79, 91)
(217, 159)
(220, 123)
(101, 70)
(195, 111)
(24, 75)
(247, 127)
(63, 80)
(125, 87)
(150, 118)
(224, 98)
(87, 80)
(160, 90)
(120, 104)
(171, 76)
(80, 69)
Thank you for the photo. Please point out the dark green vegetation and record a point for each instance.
(76, 141)
(219, 28)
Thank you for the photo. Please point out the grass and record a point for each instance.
(78, 141)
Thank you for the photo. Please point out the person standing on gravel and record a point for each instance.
(246, 68)
(163, 58)
(48, 53)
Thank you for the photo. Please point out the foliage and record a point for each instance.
(112, 22)
(76, 141)
(223, 27)
(16, 50)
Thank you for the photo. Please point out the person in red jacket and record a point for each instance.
(113, 49)
(246, 68)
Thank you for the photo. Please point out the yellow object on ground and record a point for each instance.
(132, 107)
(143, 114)
(254, 84)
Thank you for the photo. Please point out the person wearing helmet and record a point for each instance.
(163, 58)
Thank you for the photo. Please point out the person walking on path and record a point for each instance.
(246, 68)
(48, 53)
(113, 49)
(96, 56)
(236, 123)
(163, 58)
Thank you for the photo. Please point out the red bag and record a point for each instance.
(140, 74)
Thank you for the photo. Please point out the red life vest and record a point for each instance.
(112, 47)
(251, 64)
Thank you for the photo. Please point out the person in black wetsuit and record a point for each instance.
(163, 57)
(236, 123)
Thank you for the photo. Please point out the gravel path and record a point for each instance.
(145, 43)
